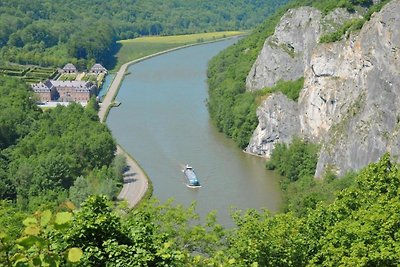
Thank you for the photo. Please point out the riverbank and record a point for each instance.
(132, 49)
(136, 181)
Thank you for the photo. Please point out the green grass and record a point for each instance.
(140, 47)
(68, 77)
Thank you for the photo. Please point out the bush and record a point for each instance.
(307, 192)
(291, 89)
(296, 160)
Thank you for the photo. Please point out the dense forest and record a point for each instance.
(231, 107)
(47, 157)
(52, 33)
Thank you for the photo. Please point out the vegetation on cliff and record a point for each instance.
(294, 161)
(355, 24)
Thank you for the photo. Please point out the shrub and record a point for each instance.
(295, 160)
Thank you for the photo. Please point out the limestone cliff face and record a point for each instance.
(286, 53)
(350, 102)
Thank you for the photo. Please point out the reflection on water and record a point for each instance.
(164, 123)
(104, 88)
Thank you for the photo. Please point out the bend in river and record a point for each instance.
(163, 121)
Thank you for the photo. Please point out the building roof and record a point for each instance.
(40, 88)
(79, 86)
(69, 67)
(97, 67)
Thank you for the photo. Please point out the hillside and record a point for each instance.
(52, 33)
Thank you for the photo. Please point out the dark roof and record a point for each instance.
(69, 66)
(98, 67)
(76, 85)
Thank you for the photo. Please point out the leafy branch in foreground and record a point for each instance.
(41, 241)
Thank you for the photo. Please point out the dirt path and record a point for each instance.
(80, 76)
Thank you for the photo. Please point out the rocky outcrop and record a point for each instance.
(350, 102)
(286, 53)
(278, 123)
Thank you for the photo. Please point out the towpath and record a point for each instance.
(135, 180)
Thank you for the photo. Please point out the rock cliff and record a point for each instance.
(286, 53)
(350, 102)
(278, 122)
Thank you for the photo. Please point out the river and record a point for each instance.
(164, 123)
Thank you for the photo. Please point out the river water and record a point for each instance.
(164, 123)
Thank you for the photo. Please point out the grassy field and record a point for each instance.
(139, 47)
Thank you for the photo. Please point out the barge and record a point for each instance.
(191, 176)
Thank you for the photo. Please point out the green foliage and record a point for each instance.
(105, 181)
(263, 240)
(92, 226)
(108, 241)
(375, 8)
(42, 154)
(92, 108)
(64, 143)
(40, 242)
(360, 227)
(11, 227)
(232, 109)
(18, 111)
(295, 160)
(351, 25)
(355, 24)
(303, 195)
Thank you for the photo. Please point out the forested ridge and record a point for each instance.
(52, 33)
(231, 107)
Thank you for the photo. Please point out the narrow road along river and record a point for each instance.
(164, 123)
